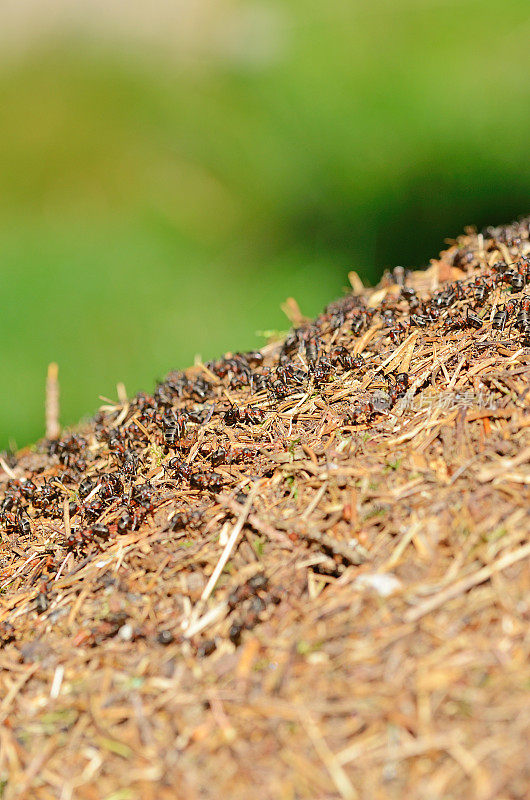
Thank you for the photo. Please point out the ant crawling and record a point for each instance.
(500, 318)
(79, 540)
(398, 383)
(459, 322)
(244, 416)
(175, 427)
(340, 355)
(207, 481)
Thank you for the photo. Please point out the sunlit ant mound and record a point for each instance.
(301, 568)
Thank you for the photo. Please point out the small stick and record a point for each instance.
(260, 525)
(66, 517)
(192, 625)
(52, 402)
(367, 337)
(315, 501)
(7, 469)
(63, 565)
(328, 757)
(356, 283)
(467, 583)
(225, 555)
(213, 615)
(19, 571)
(121, 391)
(353, 554)
(57, 682)
(291, 309)
(396, 355)
(15, 689)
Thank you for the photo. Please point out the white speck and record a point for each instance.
(56, 683)
(223, 536)
(101, 564)
(126, 632)
(384, 584)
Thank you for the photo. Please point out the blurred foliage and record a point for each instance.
(152, 207)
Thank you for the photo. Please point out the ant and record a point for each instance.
(358, 323)
(179, 468)
(174, 428)
(244, 416)
(24, 525)
(322, 371)
(458, 322)
(111, 487)
(500, 318)
(340, 355)
(396, 334)
(206, 481)
(94, 509)
(186, 519)
(45, 496)
(129, 463)
(288, 373)
(278, 390)
(219, 456)
(312, 349)
(129, 522)
(85, 487)
(363, 408)
(408, 293)
(419, 320)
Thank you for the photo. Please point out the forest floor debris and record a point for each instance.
(296, 573)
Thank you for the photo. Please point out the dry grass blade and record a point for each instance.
(339, 777)
(52, 402)
(468, 583)
(225, 555)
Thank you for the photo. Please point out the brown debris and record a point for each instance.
(296, 573)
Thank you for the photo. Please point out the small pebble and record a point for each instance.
(165, 637)
(126, 632)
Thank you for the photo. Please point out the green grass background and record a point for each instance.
(153, 208)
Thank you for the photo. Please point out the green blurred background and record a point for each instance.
(170, 172)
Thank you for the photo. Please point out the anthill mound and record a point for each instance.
(296, 573)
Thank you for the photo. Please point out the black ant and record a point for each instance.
(179, 468)
(419, 320)
(358, 324)
(111, 487)
(398, 383)
(500, 318)
(340, 355)
(206, 481)
(174, 428)
(85, 487)
(458, 322)
(244, 416)
(322, 371)
(396, 334)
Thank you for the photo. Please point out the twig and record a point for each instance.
(19, 571)
(15, 689)
(7, 469)
(352, 554)
(315, 501)
(190, 624)
(214, 614)
(337, 773)
(121, 391)
(467, 583)
(258, 524)
(52, 402)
